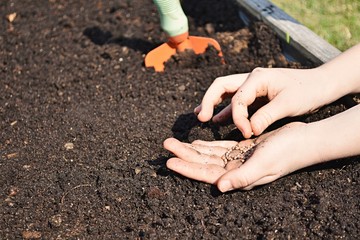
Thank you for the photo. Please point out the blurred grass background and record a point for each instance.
(337, 21)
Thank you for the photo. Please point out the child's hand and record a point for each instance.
(275, 154)
(290, 92)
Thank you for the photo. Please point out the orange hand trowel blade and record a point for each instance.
(158, 56)
(200, 44)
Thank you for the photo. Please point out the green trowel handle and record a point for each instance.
(173, 19)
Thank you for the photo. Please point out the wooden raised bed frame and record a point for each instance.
(299, 43)
(298, 37)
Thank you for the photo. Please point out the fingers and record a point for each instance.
(246, 88)
(222, 143)
(215, 151)
(215, 94)
(254, 87)
(268, 114)
(247, 174)
(190, 153)
(240, 118)
(233, 165)
(239, 178)
(209, 173)
(223, 115)
(201, 161)
(272, 159)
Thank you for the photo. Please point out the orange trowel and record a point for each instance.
(175, 24)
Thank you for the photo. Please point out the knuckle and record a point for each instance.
(219, 80)
(197, 142)
(258, 70)
(267, 118)
(248, 188)
(234, 99)
(237, 99)
(242, 182)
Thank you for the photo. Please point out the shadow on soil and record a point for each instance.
(102, 37)
(201, 11)
(185, 122)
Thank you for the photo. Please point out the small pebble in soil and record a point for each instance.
(55, 221)
(31, 234)
(182, 88)
(137, 170)
(69, 146)
(209, 28)
(11, 17)
(13, 191)
(11, 155)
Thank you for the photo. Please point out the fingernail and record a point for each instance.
(225, 186)
(196, 110)
(246, 135)
(255, 125)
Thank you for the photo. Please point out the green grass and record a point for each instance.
(337, 21)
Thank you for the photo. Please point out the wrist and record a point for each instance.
(343, 72)
(331, 87)
(312, 139)
(335, 137)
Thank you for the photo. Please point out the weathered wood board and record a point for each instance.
(305, 41)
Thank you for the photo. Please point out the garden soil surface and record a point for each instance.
(82, 123)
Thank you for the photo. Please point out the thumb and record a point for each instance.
(267, 115)
(240, 178)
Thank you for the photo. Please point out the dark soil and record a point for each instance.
(82, 123)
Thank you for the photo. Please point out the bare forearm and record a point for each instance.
(343, 73)
(336, 137)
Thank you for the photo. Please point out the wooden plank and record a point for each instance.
(309, 44)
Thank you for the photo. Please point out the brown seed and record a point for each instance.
(11, 17)
(69, 146)
(56, 220)
(11, 155)
(238, 152)
(13, 191)
(31, 234)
